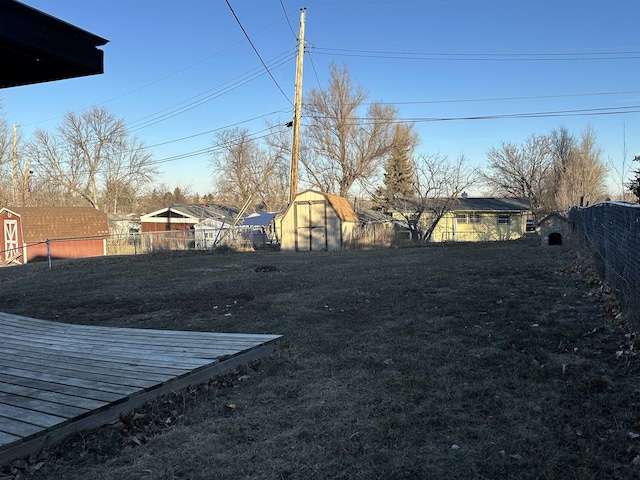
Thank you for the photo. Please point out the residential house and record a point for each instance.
(482, 219)
(185, 217)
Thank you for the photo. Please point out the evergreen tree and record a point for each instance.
(634, 185)
(399, 172)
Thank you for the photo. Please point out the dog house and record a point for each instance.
(555, 230)
(317, 221)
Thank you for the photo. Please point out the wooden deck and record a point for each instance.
(57, 379)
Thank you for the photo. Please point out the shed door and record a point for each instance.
(311, 225)
(11, 248)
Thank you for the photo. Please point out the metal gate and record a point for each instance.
(310, 219)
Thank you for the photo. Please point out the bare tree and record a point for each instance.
(125, 173)
(91, 155)
(5, 161)
(158, 196)
(242, 169)
(520, 171)
(40, 191)
(342, 147)
(579, 174)
(438, 183)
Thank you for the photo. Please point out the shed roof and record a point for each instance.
(340, 206)
(42, 223)
(36, 47)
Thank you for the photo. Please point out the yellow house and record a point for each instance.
(482, 219)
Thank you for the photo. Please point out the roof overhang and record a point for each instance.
(36, 47)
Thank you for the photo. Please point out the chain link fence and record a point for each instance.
(131, 244)
(612, 230)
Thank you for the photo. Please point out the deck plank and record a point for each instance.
(57, 379)
(82, 392)
(41, 405)
(60, 398)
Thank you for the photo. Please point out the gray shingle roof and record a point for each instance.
(197, 212)
(491, 204)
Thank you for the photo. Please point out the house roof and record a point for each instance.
(367, 215)
(196, 212)
(491, 204)
(36, 47)
(478, 204)
(48, 223)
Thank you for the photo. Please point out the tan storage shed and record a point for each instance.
(317, 221)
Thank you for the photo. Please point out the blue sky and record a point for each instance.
(175, 72)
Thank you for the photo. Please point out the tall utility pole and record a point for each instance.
(297, 112)
(15, 163)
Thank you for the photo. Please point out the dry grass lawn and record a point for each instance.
(462, 361)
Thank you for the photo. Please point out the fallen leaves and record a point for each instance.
(17, 469)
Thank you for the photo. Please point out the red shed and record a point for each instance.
(73, 232)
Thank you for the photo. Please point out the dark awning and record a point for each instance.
(36, 47)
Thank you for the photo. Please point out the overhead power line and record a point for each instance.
(208, 95)
(468, 56)
(506, 99)
(195, 153)
(257, 53)
(558, 113)
(156, 81)
(213, 148)
(286, 15)
(207, 132)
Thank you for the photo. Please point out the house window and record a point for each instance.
(504, 219)
(475, 218)
(461, 218)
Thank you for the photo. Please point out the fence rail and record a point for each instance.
(612, 230)
(131, 244)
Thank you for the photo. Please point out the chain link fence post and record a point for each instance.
(49, 252)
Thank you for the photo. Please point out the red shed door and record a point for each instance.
(11, 247)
